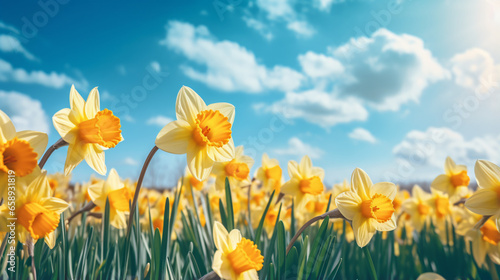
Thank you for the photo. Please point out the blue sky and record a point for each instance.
(392, 87)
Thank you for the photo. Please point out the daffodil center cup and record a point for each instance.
(37, 220)
(238, 170)
(17, 155)
(119, 199)
(197, 184)
(442, 206)
(460, 179)
(379, 207)
(245, 257)
(490, 233)
(103, 129)
(312, 185)
(423, 209)
(212, 128)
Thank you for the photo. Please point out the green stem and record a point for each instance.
(370, 262)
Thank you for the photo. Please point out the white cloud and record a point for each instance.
(130, 161)
(25, 112)
(387, 70)
(473, 68)
(301, 27)
(362, 135)
(8, 27)
(298, 148)
(325, 5)
(159, 120)
(318, 65)
(156, 66)
(12, 44)
(259, 26)
(431, 147)
(52, 79)
(226, 65)
(317, 107)
(276, 9)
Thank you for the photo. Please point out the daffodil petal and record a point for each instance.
(113, 181)
(225, 108)
(222, 154)
(291, 187)
(77, 103)
(55, 204)
(363, 230)
(442, 183)
(221, 238)
(188, 105)
(386, 189)
(360, 183)
(234, 238)
(318, 171)
(449, 166)
(7, 129)
(386, 226)
(483, 202)
(349, 204)
(93, 104)
(94, 191)
(305, 166)
(95, 159)
(487, 174)
(50, 240)
(75, 155)
(63, 124)
(175, 137)
(199, 163)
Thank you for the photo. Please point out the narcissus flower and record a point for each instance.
(419, 207)
(118, 195)
(88, 131)
(368, 205)
(454, 182)
(485, 241)
(19, 151)
(38, 212)
(236, 258)
(486, 200)
(237, 171)
(304, 180)
(270, 174)
(200, 131)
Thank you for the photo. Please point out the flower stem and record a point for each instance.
(60, 143)
(210, 276)
(31, 251)
(370, 263)
(334, 214)
(492, 269)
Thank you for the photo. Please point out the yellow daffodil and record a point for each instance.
(118, 195)
(486, 200)
(19, 151)
(200, 131)
(400, 198)
(88, 131)
(59, 185)
(37, 212)
(454, 182)
(236, 258)
(305, 180)
(237, 171)
(339, 188)
(419, 207)
(368, 205)
(485, 241)
(430, 276)
(270, 174)
(269, 220)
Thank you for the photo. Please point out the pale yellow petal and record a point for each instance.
(430, 276)
(449, 166)
(389, 190)
(361, 183)
(38, 140)
(50, 240)
(487, 174)
(250, 275)
(387, 226)
(64, 126)
(7, 129)
(442, 183)
(234, 238)
(483, 202)
(96, 194)
(293, 169)
(349, 204)
(39, 188)
(305, 167)
(199, 163)
(118, 219)
(188, 105)
(77, 103)
(76, 153)
(92, 106)
(175, 137)
(221, 238)
(222, 154)
(291, 187)
(95, 159)
(55, 204)
(225, 108)
(318, 171)
(113, 182)
(363, 230)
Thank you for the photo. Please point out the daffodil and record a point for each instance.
(454, 182)
(200, 131)
(88, 131)
(236, 258)
(369, 206)
(485, 241)
(305, 180)
(270, 174)
(430, 276)
(237, 170)
(118, 195)
(419, 207)
(37, 212)
(19, 152)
